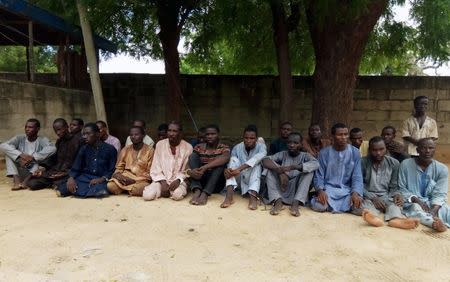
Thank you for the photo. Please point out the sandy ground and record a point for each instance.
(45, 238)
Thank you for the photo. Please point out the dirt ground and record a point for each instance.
(120, 238)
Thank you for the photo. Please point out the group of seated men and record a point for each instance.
(329, 175)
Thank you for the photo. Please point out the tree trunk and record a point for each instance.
(92, 62)
(281, 41)
(170, 37)
(338, 47)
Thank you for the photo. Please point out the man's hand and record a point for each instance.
(355, 200)
(119, 177)
(231, 172)
(196, 173)
(174, 185)
(284, 180)
(379, 204)
(322, 197)
(96, 181)
(398, 200)
(71, 185)
(423, 205)
(25, 159)
(282, 169)
(39, 172)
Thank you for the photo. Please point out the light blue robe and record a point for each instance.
(435, 184)
(250, 178)
(339, 175)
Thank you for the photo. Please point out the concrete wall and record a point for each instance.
(20, 101)
(235, 101)
(230, 101)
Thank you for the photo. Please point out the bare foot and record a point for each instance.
(252, 200)
(277, 207)
(404, 223)
(17, 183)
(295, 209)
(195, 196)
(202, 199)
(228, 198)
(371, 219)
(438, 225)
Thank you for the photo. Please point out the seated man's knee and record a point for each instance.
(113, 188)
(150, 193)
(316, 206)
(177, 195)
(137, 191)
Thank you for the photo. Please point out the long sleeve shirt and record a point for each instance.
(429, 185)
(167, 166)
(381, 181)
(15, 146)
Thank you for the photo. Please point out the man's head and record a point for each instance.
(162, 131)
(426, 148)
(32, 127)
(285, 129)
(76, 125)
(91, 133)
(212, 134)
(103, 129)
(388, 134)
(140, 123)
(294, 143)
(420, 104)
(356, 137)
(174, 132)
(201, 135)
(377, 148)
(250, 136)
(339, 133)
(137, 134)
(314, 132)
(60, 127)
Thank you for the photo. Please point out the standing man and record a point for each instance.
(168, 171)
(147, 139)
(394, 148)
(424, 184)
(280, 144)
(290, 175)
(67, 147)
(356, 138)
(314, 142)
(338, 181)
(132, 172)
(206, 166)
(418, 126)
(106, 137)
(244, 168)
(381, 193)
(24, 152)
(93, 167)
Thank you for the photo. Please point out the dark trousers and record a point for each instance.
(212, 181)
(37, 183)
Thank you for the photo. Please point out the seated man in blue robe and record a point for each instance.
(338, 181)
(93, 167)
(423, 182)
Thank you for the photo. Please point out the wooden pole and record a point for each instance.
(30, 53)
(92, 62)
